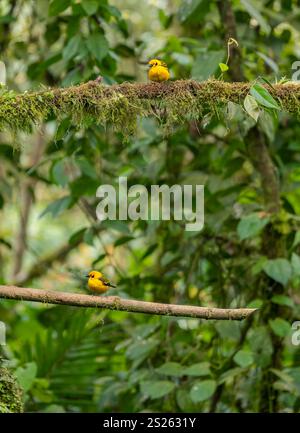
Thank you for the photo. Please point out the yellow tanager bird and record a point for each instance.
(97, 283)
(158, 71)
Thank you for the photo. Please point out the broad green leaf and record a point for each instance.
(86, 168)
(171, 369)
(98, 46)
(251, 225)
(88, 237)
(263, 97)
(295, 261)
(184, 401)
(296, 239)
(243, 358)
(191, 10)
(78, 235)
(58, 6)
(84, 185)
(280, 327)
(230, 374)
(123, 240)
(268, 123)
(72, 48)
(256, 303)
(229, 330)
(26, 375)
(203, 390)
(157, 389)
(90, 6)
(141, 349)
(282, 300)
(251, 106)
(119, 226)
(62, 129)
(59, 172)
(261, 345)
(199, 369)
(57, 206)
(258, 265)
(279, 270)
(206, 64)
(143, 331)
(255, 13)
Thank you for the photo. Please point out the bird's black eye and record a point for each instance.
(92, 276)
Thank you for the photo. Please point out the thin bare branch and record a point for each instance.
(129, 305)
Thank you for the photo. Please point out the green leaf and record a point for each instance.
(58, 6)
(256, 303)
(252, 10)
(263, 97)
(251, 225)
(230, 374)
(90, 6)
(251, 106)
(62, 129)
(296, 239)
(86, 168)
(143, 331)
(123, 240)
(58, 172)
(261, 345)
(199, 369)
(119, 226)
(280, 327)
(77, 236)
(203, 390)
(72, 48)
(26, 375)
(171, 369)
(88, 236)
(279, 270)
(268, 122)
(295, 261)
(97, 46)
(229, 330)
(157, 389)
(191, 10)
(223, 67)
(243, 358)
(184, 401)
(282, 300)
(84, 185)
(206, 64)
(57, 206)
(141, 349)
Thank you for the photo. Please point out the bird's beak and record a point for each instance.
(87, 276)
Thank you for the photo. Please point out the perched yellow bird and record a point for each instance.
(97, 283)
(158, 71)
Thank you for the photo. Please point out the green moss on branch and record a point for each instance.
(121, 105)
(10, 393)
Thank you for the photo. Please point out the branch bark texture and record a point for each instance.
(116, 303)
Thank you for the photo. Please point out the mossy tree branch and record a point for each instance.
(129, 305)
(121, 105)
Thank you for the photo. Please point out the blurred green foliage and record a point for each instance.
(73, 360)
